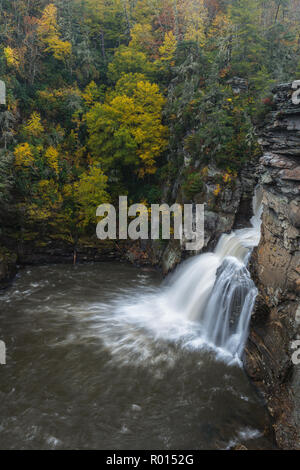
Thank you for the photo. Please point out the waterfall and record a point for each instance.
(206, 303)
(216, 290)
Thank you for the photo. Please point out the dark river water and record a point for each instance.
(92, 364)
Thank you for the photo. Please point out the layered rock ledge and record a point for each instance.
(275, 265)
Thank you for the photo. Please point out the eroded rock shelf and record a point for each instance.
(276, 269)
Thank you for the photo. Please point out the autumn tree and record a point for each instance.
(127, 129)
(93, 84)
(48, 34)
(128, 60)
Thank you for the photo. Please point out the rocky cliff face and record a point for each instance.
(276, 270)
(228, 205)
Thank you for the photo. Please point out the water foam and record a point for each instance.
(208, 301)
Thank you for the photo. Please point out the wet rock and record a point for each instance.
(293, 174)
(294, 214)
(275, 268)
(226, 209)
(172, 256)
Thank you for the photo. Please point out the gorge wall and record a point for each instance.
(275, 264)
(276, 271)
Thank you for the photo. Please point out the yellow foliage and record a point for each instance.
(90, 192)
(53, 96)
(217, 190)
(68, 190)
(204, 172)
(23, 156)
(47, 25)
(128, 128)
(121, 107)
(60, 49)
(12, 57)
(48, 33)
(229, 175)
(90, 94)
(49, 192)
(220, 26)
(194, 15)
(148, 96)
(128, 60)
(142, 39)
(37, 213)
(34, 126)
(227, 178)
(46, 191)
(148, 122)
(52, 158)
(167, 50)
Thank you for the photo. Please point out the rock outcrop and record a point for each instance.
(227, 204)
(275, 267)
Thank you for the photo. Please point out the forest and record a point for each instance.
(110, 97)
(169, 107)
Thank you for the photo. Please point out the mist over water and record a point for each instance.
(87, 368)
(215, 290)
(101, 356)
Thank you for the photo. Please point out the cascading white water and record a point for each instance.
(216, 290)
(206, 303)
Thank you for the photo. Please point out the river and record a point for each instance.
(93, 364)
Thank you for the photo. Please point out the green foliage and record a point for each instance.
(112, 96)
(127, 129)
(127, 60)
(193, 184)
(90, 192)
(226, 135)
(6, 177)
